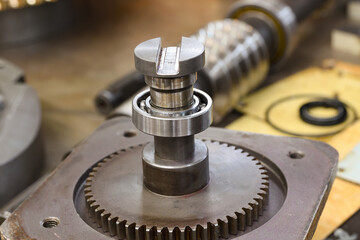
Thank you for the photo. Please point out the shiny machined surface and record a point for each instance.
(174, 174)
(279, 14)
(239, 51)
(153, 60)
(235, 198)
(179, 126)
(236, 62)
(177, 164)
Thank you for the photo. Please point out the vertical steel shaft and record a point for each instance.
(175, 163)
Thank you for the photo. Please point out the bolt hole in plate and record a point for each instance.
(296, 154)
(50, 222)
(130, 133)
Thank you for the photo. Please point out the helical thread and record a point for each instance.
(236, 61)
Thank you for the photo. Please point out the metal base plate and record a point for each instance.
(301, 174)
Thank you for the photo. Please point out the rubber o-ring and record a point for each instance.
(340, 117)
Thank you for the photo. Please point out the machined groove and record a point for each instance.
(237, 61)
(228, 225)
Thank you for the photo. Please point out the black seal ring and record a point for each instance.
(340, 117)
(316, 98)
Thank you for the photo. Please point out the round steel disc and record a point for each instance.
(232, 199)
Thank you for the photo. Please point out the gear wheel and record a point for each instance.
(123, 207)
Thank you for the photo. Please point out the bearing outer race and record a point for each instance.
(285, 23)
(172, 127)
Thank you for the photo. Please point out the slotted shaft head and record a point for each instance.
(151, 59)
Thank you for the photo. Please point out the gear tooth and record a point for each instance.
(189, 233)
(224, 144)
(98, 211)
(88, 179)
(93, 206)
(214, 231)
(265, 195)
(248, 216)
(241, 220)
(165, 233)
(265, 182)
(151, 234)
(255, 210)
(265, 187)
(265, 179)
(201, 232)
(223, 228)
(262, 167)
(232, 222)
(112, 225)
(120, 229)
(89, 201)
(232, 147)
(140, 232)
(130, 231)
(260, 205)
(263, 200)
(87, 190)
(88, 182)
(104, 217)
(88, 195)
(100, 164)
(174, 234)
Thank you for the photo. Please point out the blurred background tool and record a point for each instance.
(24, 21)
(21, 148)
(238, 53)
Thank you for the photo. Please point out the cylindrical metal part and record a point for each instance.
(175, 178)
(236, 62)
(175, 163)
(171, 98)
(183, 125)
(304, 8)
(118, 92)
(179, 149)
(277, 15)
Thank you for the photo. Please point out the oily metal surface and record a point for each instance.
(233, 199)
(306, 183)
